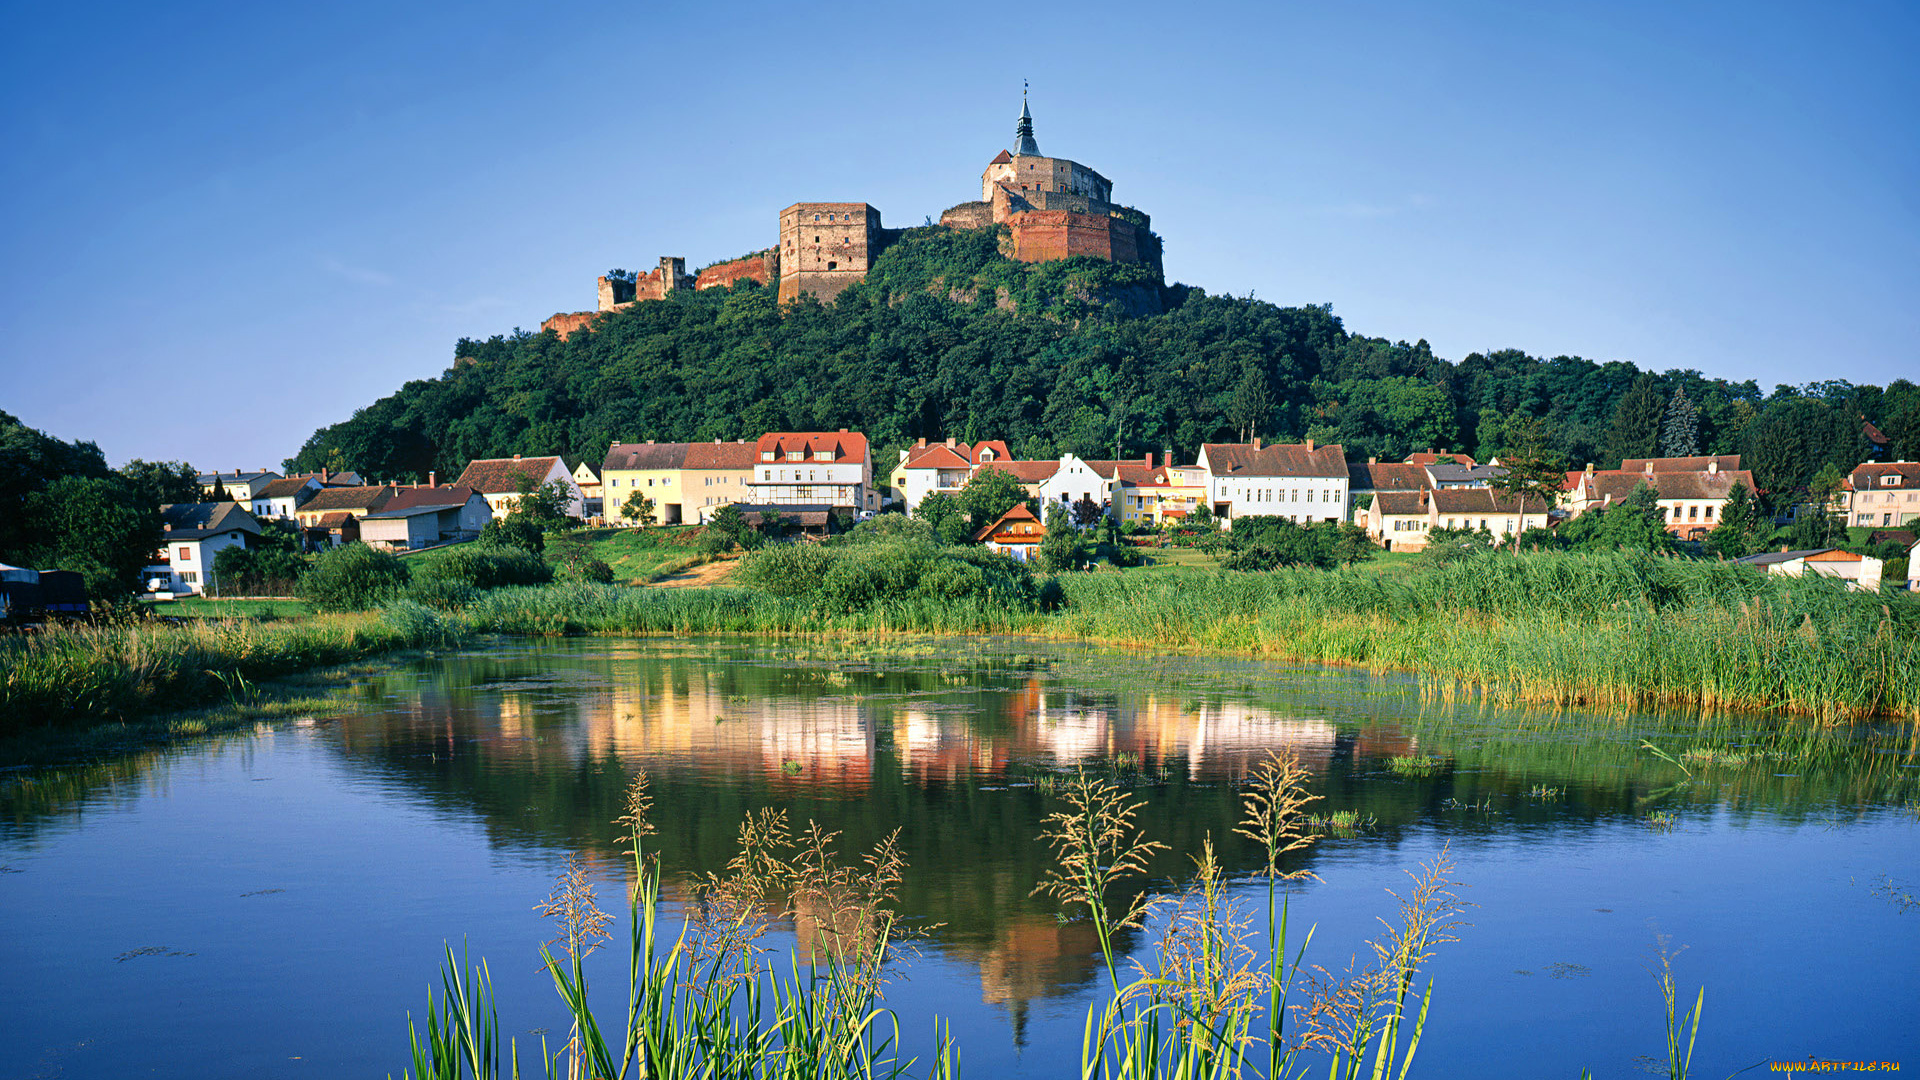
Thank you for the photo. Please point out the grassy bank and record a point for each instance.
(1622, 629)
(85, 675)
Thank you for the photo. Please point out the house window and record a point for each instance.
(796, 455)
(186, 554)
(190, 577)
(766, 455)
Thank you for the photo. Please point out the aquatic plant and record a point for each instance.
(1662, 820)
(1414, 765)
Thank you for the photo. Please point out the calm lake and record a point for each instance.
(275, 903)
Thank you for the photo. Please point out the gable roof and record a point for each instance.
(1726, 462)
(351, 498)
(641, 457)
(235, 477)
(1428, 457)
(843, 445)
(1766, 558)
(1401, 503)
(1001, 158)
(197, 521)
(937, 456)
(343, 478)
(1617, 484)
(1484, 501)
(1448, 472)
(721, 455)
(1134, 471)
(1278, 459)
(1017, 513)
(501, 476)
(1386, 476)
(292, 485)
(415, 501)
(1873, 434)
(1868, 475)
(1027, 472)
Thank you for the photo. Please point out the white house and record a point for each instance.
(281, 498)
(947, 466)
(1883, 495)
(813, 468)
(1298, 481)
(1858, 571)
(498, 481)
(195, 534)
(236, 485)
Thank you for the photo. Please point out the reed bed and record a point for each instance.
(81, 675)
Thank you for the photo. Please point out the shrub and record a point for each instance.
(353, 577)
(484, 565)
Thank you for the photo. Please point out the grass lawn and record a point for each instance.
(201, 607)
(640, 555)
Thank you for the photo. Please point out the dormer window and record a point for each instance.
(766, 455)
(796, 455)
(1890, 480)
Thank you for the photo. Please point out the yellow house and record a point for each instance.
(1166, 494)
(682, 479)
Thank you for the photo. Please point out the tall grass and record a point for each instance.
(708, 1002)
(1575, 629)
(92, 674)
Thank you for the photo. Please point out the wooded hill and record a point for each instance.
(947, 338)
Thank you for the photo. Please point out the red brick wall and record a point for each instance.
(567, 322)
(760, 268)
(1046, 235)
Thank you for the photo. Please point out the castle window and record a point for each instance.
(816, 217)
(833, 266)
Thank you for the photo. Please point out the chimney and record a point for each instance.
(843, 431)
(516, 457)
(1256, 442)
(1648, 468)
(949, 442)
(1309, 444)
(1149, 461)
(1783, 549)
(432, 478)
(1589, 468)
(323, 477)
(919, 444)
(1713, 465)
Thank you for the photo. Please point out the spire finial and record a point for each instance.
(1023, 141)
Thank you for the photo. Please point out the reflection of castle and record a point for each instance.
(1052, 208)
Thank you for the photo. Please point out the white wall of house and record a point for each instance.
(831, 483)
(185, 567)
(912, 485)
(1075, 480)
(1297, 498)
(1883, 508)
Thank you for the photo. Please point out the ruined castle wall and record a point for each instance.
(762, 268)
(968, 215)
(567, 322)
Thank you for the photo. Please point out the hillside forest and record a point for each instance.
(948, 338)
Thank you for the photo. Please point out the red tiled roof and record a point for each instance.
(1728, 463)
(428, 498)
(500, 476)
(1484, 501)
(1428, 457)
(1617, 484)
(347, 498)
(1280, 459)
(1386, 476)
(643, 456)
(1000, 158)
(721, 455)
(1019, 513)
(1868, 476)
(1401, 503)
(937, 456)
(1027, 472)
(842, 445)
(280, 489)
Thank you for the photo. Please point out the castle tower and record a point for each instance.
(1023, 141)
(825, 247)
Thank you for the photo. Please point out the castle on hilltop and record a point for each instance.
(1053, 208)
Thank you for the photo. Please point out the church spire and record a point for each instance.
(1023, 142)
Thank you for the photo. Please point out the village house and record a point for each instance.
(1298, 481)
(1169, 493)
(1883, 495)
(424, 516)
(343, 478)
(1858, 571)
(498, 481)
(796, 468)
(331, 516)
(236, 485)
(1016, 533)
(1374, 476)
(717, 474)
(588, 481)
(1403, 520)
(1035, 477)
(1692, 491)
(280, 498)
(195, 534)
(947, 466)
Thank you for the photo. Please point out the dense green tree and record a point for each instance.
(1634, 523)
(1635, 429)
(1064, 547)
(96, 525)
(1534, 473)
(162, 482)
(353, 576)
(943, 512)
(1740, 532)
(989, 493)
(638, 509)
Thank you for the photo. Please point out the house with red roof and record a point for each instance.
(498, 481)
(924, 469)
(424, 516)
(1017, 532)
(1692, 491)
(1883, 495)
(809, 468)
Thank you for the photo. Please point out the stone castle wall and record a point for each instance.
(825, 247)
(1046, 235)
(567, 323)
(763, 268)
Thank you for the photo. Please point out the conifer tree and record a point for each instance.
(1680, 429)
(1635, 431)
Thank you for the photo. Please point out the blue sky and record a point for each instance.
(226, 225)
